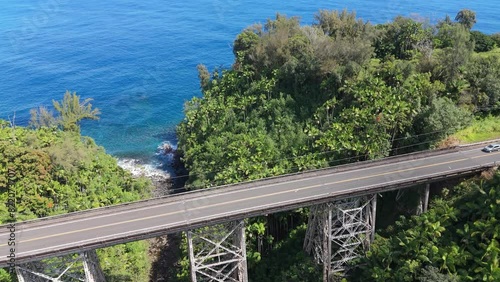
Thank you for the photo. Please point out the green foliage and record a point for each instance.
(376, 112)
(481, 129)
(288, 263)
(240, 137)
(483, 42)
(5, 276)
(42, 117)
(126, 262)
(343, 24)
(432, 274)
(456, 240)
(445, 31)
(467, 18)
(401, 38)
(496, 38)
(244, 43)
(453, 59)
(301, 97)
(484, 86)
(54, 172)
(72, 111)
(445, 117)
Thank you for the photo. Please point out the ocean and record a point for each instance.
(137, 59)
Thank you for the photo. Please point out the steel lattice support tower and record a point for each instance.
(340, 231)
(77, 267)
(218, 253)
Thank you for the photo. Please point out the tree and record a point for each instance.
(243, 44)
(483, 42)
(484, 85)
(343, 24)
(452, 59)
(204, 76)
(42, 117)
(496, 38)
(72, 111)
(445, 117)
(401, 38)
(467, 18)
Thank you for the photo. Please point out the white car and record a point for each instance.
(492, 147)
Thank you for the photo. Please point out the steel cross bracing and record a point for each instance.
(340, 231)
(70, 268)
(217, 253)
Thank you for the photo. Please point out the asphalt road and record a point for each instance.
(118, 224)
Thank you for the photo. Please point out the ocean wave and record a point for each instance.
(156, 169)
(139, 168)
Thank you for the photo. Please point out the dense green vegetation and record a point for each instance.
(481, 129)
(52, 170)
(301, 97)
(296, 98)
(456, 240)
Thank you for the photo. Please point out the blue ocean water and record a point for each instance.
(137, 59)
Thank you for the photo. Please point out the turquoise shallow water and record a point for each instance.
(138, 59)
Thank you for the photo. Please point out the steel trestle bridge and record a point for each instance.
(339, 216)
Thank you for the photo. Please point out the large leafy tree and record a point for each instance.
(444, 117)
(376, 113)
(467, 18)
(401, 38)
(484, 86)
(453, 59)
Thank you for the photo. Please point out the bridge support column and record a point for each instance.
(218, 253)
(423, 201)
(426, 197)
(77, 267)
(340, 231)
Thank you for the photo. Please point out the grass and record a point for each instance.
(482, 129)
(494, 52)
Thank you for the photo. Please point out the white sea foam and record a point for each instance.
(138, 168)
(154, 170)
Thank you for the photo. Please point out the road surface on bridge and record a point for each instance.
(123, 223)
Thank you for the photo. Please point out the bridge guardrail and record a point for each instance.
(482, 143)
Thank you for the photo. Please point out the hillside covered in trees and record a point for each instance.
(301, 97)
(341, 90)
(296, 98)
(51, 169)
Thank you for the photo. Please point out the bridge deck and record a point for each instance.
(103, 227)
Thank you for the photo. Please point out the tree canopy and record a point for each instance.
(71, 111)
(51, 172)
(467, 18)
(340, 90)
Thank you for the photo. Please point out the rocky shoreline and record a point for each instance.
(159, 177)
(164, 251)
(165, 157)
